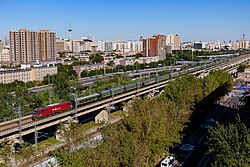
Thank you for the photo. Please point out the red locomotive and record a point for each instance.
(39, 113)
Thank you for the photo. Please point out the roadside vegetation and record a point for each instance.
(229, 142)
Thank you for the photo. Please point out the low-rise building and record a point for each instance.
(37, 73)
(79, 69)
(26, 75)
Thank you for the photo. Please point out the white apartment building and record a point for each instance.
(5, 55)
(174, 40)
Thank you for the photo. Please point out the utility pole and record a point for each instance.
(113, 94)
(139, 85)
(76, 118)
(90, 87)
(50, 101)
(192, 54)
(36, 137)
(119, 81)
(20, 122)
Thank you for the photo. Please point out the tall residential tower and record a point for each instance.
(155, 46)
(30, 46)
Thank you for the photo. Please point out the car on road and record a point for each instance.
(209, 119)
(168, 161)
(187, 147)
(206, 126)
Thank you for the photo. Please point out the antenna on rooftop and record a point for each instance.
(70, 30)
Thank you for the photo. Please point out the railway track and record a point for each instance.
(12, 126)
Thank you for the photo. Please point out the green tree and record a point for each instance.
(242, 68)
(6, 105)
(137, 55)
(96, 58)
(84, 73)
(61, 85)
(230, 145)
(67, 70)
(6, 153)
(26, 150)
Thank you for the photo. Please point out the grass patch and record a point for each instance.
(88, 125)
(47, 143)
(116, 114)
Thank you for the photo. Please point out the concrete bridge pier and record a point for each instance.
(103, 116)
(64, 128)
(128, 105)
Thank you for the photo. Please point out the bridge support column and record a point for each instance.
(161, 92)
(61, 132)
(151, 95)
(63, 129)
(127, 106)
(103, 116)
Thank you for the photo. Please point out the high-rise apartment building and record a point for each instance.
(23, 46)
(46, 45)
(60, 46)
(155, 46)
(30, 46)
(174, 40)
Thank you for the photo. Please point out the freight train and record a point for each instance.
(53, 109)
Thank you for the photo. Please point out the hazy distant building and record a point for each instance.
(1, 46)
(60, 46)
(5, 56)
(174, 41)
(155, 46)
(244, 44)
(199, 45)
(46, 45)
(108, 46)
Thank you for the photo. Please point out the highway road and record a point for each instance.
(199, 157)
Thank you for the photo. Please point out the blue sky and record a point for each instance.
(203, 20)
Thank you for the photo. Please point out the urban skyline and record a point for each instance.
(111, 20)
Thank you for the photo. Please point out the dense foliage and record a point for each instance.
(231, 145)
(230, 141)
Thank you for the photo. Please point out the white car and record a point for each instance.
(168, 161)
(187, 147)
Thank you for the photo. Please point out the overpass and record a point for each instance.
(11, 129)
